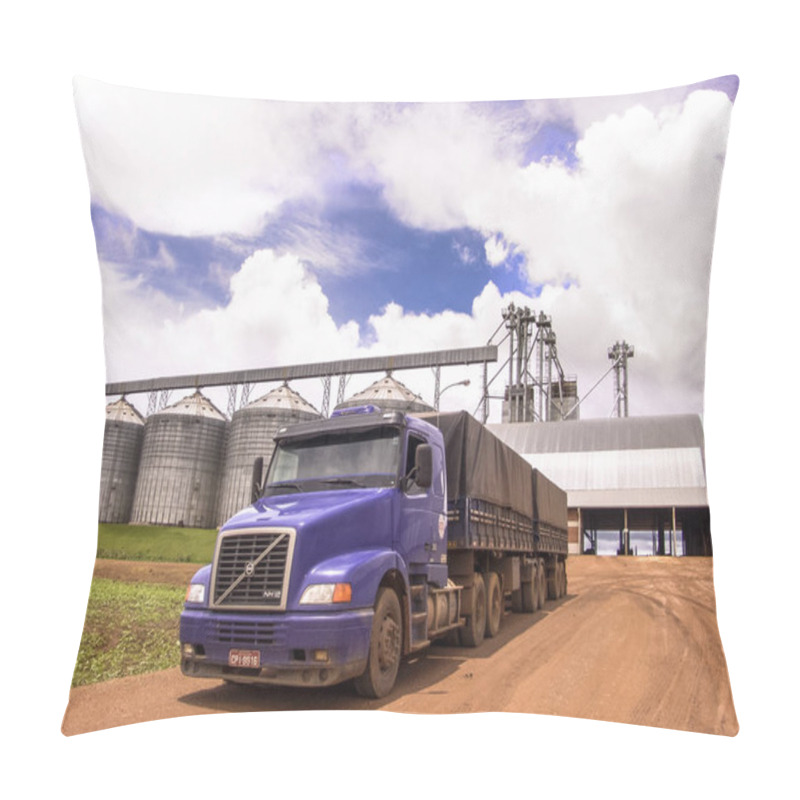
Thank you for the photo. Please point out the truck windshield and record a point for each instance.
(335, 461)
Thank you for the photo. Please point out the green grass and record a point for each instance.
(131, 629)
(155, 543)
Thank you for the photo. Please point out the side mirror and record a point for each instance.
(423, 464)
(255, 484)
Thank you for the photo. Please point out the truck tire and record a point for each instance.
(542, 576)
(538, 593)
(471, 634)
(494, 604)
(385, 647)
(527, 589)
(552, 582)
(529, 605)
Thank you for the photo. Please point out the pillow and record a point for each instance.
(542, 265)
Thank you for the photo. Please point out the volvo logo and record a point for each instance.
(249, 569)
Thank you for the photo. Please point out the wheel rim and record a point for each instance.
(388, 643)
(495, 602)
(480, 609)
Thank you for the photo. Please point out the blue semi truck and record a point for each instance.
(372, 534)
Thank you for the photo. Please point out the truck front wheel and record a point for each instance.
(385, 647)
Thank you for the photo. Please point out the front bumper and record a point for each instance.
(289, 645)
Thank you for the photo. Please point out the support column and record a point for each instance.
(626, 533)
(340, 389)
(674, 533)
(326, 395)
(485, 401)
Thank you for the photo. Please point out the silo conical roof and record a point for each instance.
(388, 392)
(196, 404)
(122, 411)
(283, 398)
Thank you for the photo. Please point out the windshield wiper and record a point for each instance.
(345, 481)
(285, 485)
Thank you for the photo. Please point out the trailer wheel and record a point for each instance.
(529, 595)
(471, 634)
(527, 589)
(538, 593)
(542, 576)
(385, 647)
(552, 582)
(494, 604)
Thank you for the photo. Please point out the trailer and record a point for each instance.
(506, 527)
(373, 534)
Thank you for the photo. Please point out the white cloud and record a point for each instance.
(277, 315)
(192, 165)
(630, 227)
(496, 250)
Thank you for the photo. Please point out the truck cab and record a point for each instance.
(339, 566)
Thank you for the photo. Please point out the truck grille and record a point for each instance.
(249, 634)
(251, 569)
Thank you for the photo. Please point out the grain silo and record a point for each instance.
(388, 394)
(251, 435)
(122, 448)
(179, 471)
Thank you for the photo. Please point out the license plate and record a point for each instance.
(247, 659)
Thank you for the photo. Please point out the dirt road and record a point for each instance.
(635, 641)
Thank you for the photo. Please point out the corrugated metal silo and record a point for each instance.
(251, 435)
(122, 448)
(179, 471)
(390, 395)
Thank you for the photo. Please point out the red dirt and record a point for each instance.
(635, 641)
(145, 571)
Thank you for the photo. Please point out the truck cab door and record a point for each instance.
(421, 540)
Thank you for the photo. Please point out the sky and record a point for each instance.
(235, 234)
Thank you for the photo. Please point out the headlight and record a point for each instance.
(322, 593)
(196, 593)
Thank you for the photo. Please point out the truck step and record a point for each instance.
(419, 598)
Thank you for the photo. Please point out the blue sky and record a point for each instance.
(401, 227)
(424, 271)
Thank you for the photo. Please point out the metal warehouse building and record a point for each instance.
(635, 485)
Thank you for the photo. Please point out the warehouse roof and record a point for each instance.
(605, 463)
